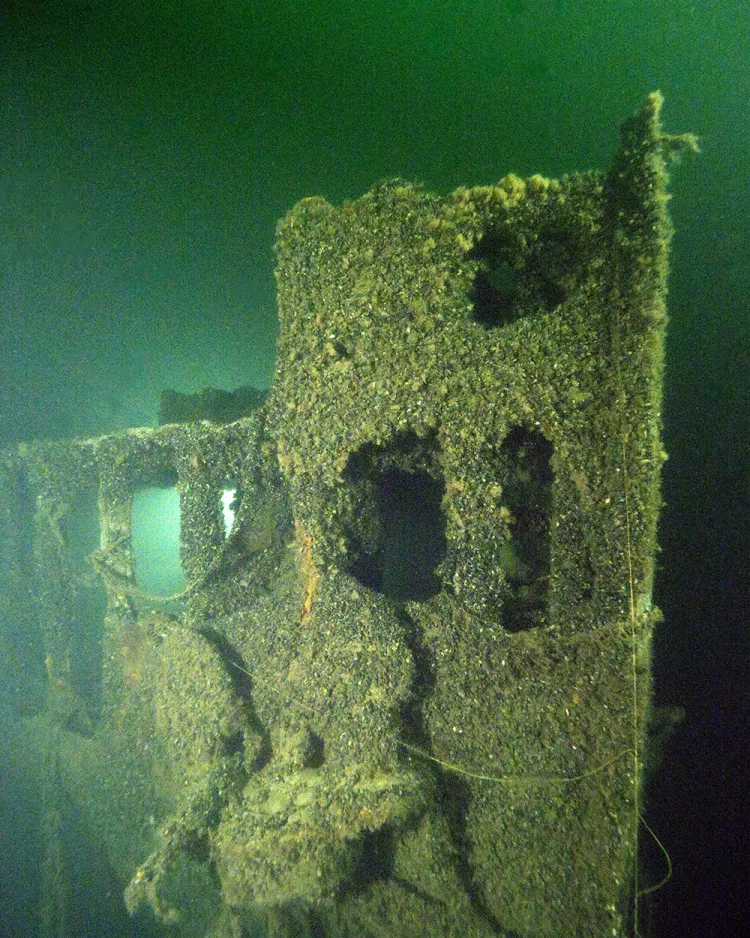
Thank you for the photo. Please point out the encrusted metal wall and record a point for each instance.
(407, 693)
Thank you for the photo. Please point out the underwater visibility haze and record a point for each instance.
(298, 653)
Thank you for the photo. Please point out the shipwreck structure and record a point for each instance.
(407, 692)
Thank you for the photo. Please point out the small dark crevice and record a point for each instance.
(231, 658)
(317, 754)
(454, 798)
(242, 685)
(422, 685)
(376, 861)
(235, 744)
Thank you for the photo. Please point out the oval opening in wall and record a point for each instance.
(156, 540)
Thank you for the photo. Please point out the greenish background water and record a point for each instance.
(148, 148)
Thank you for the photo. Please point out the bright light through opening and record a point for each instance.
(227, 501)
(156, 540)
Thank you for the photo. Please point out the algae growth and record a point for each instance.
(407, 693)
